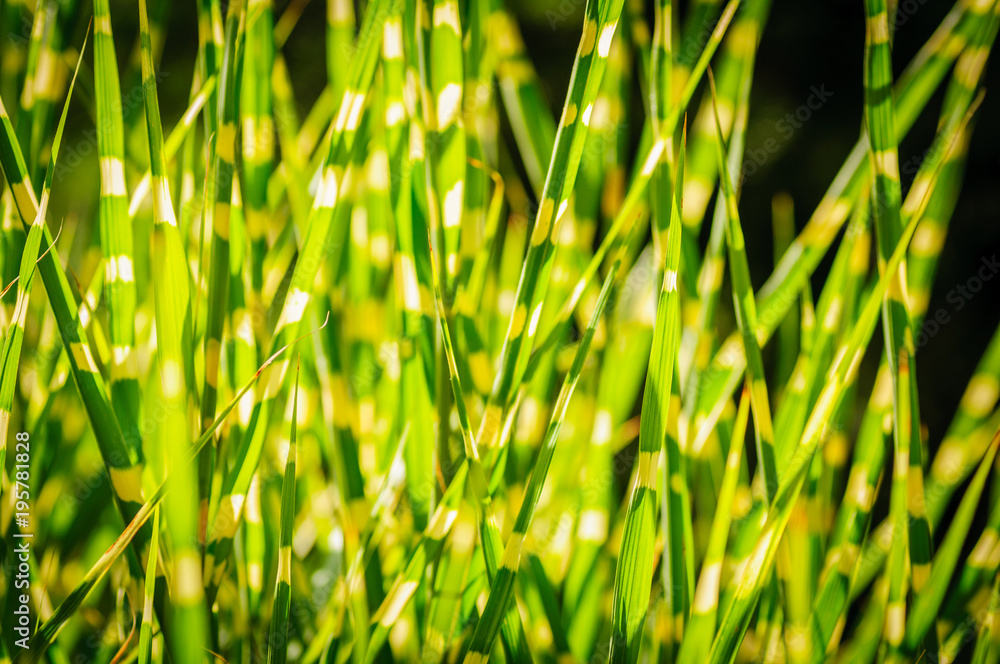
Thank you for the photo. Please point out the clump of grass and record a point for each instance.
(513, 432)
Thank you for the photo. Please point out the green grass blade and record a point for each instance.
(149, 589)
(277, 638)
(189, 627)
(928, 601)
(635, 563)
(746, 317)
(591, 60)
(502, 586)
(698, 636)
(116, 232)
